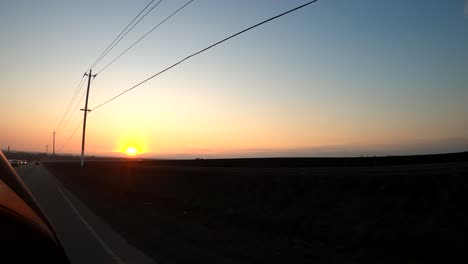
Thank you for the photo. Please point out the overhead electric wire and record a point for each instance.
(144, 36)
(81, 122)
(119, 37)
(81, 98)
(72, 101)
(203, 50)
(120, 34)
(124, 32)
(74, 109)
(74, 131)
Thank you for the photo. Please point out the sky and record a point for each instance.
(336, 78)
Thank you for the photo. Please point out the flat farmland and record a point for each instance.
(361, 210)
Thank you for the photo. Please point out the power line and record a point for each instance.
(74, 131)
(124, 32)
(71, 105)
(81, 98)
(203, 50)
(144, 36)
(74, 109)
(78, 88)
(116, 38)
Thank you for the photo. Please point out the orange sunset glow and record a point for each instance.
(304, 96)
(240, 131)
(132, 144)
(131, 151)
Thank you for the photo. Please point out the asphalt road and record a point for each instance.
(84, 236)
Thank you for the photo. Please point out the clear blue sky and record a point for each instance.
(339, 77)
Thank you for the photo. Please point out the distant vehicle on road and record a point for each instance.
(14, 163)
(23, 162)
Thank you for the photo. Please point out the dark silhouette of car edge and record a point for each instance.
(26, 234)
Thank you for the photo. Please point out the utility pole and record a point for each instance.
(53, 147)
(86, 110)
(46, 150)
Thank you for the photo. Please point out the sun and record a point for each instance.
(132, 144)
(131, 151)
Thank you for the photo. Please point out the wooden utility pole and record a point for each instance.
(53, 147)
(86, 110)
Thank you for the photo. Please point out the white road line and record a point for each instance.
(98, 238)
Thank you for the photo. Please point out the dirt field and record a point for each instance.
(282, 210)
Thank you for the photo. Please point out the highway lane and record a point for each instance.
(84, 236)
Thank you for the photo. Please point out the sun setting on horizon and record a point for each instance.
(240, 131)
(312, 83)
(131, 151)
(132, 143)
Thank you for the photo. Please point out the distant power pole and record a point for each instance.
(46, 150)
(53, 147)
(8, 148)
(86, 110)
